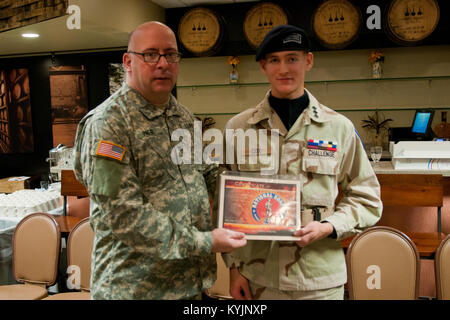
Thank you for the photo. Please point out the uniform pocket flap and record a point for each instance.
(320, 161)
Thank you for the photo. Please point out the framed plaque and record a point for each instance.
(260, 19)
(411, 21)
(336, 23)
(262, 207)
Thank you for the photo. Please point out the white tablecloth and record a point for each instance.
(19, 204)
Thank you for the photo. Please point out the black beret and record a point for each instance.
(283, 38)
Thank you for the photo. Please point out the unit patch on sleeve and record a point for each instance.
(110, 150)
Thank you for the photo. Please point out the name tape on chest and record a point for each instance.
(110, 150)
(322, 145)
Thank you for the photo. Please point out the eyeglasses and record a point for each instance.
(153, 57)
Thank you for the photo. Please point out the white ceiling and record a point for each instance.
(105, 24)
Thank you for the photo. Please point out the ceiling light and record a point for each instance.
(30, 35)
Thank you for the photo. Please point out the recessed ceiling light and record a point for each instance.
(30, 35)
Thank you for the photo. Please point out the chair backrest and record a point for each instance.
(221, 288)
(79, 251)
(442, 269)
(36, 249)
(383, 263)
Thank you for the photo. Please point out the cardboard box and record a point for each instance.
(11, 184)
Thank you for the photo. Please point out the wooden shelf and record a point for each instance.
(219, 85)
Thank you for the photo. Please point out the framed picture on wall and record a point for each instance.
(69, 102)
(16, 126)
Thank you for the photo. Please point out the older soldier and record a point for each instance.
(322, 148)
(151, 217)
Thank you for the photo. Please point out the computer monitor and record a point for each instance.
(421, 126)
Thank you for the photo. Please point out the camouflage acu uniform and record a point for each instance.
(151, 217)
(320, 265)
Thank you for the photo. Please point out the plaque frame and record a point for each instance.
(283, 194)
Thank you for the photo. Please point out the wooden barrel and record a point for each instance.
(26, 85)
(201, 32)
(22, 135)
(408, 22)
(17, 91)
(260, 19)
(336, 23)
(28, 113)
(12, 75)
(20, 114)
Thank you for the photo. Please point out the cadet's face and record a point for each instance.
(153, 80)
(286, 71)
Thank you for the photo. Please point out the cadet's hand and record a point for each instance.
(239, 288)
(225, 240)
(313, 231)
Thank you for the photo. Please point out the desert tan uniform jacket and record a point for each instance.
(321, 265)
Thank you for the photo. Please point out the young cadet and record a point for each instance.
(321, 148)
(154, 237)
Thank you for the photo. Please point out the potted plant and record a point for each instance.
(380, 126)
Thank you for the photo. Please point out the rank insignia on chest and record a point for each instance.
(322, 145)
(110, 150)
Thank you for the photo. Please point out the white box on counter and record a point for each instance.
(421, 155)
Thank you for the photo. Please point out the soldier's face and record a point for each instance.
(152, 80)
(286, 71)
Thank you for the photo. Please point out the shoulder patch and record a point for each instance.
(110, 150)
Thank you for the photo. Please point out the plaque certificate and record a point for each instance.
(262, 207)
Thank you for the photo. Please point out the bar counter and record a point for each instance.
(386, 167)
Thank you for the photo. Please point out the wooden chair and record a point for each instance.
(71, 187)
(221, 288)
(414, 190)
(442, 269)
(36, 248)
(79, 251)
(383, 264)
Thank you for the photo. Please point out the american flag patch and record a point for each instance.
(110, 150)
(322, 145)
